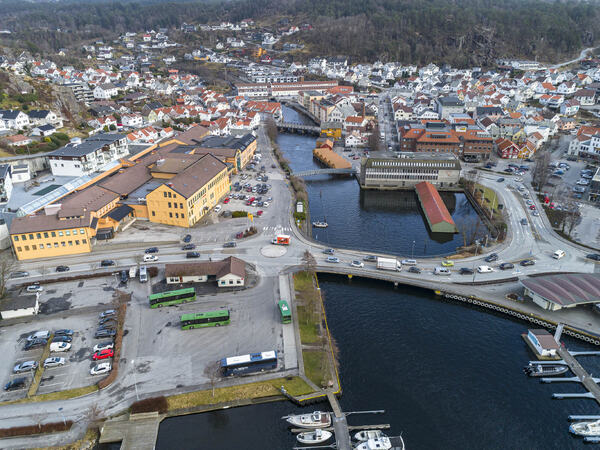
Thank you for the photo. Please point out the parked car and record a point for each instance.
(54, 361)
(60, 347)
(357, 263)
(465, 271)
(17, 383)
(332, 259)
(226, 200)
(43, 334)
(108, 320)
(442, 271)
(229, 244)
(535, 213)
(107, 263)
(192, 255)
(447, 263)
(62, 339)
(35, 343)
(25, 366)
(593, 256)
(491, 257)
(103, 346)
(370, 258)
(527, 262)
(523, 221)
(484, 269)
(63, 332)
(103, 354)
(101, 369)
(414, 269)
(329, 251)
(103, 333)
(107, 313)
(500, 180)
(188, 247)
(34, 288)
(150, 258)
(187, 238)
(62, 268)
(124, 275)
(409, 262)
(218, 208)
(259, 213)
(19, 274)
(506, 266)
(152, 250)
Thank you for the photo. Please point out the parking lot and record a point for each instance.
(76, 371)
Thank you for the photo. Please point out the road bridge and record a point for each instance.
(309, 173)
(300, 128)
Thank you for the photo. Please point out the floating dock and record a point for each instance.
(437, 215)
(587, 381)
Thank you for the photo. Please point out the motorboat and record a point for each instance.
(317, 419)
(545, 370)
(381, 443)
(586, 428)
(365, 435)
(320, 224)
(316, 436)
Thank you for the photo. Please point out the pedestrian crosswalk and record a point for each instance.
(277, 228)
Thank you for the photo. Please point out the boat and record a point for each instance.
(317, 436)
(586, 428)
(320, 224)
(317, 419)
(381, 443)
(365, 435)
(545, 370)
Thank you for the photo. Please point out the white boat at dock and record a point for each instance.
(545, 370)
(317, 419)
(382, 443)
(320, 224)
(317, 436)
(586, 428)
(365, 435)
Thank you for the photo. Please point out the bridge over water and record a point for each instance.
(308, 173)
(292, 127)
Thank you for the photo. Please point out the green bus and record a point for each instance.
(286, 313)
(205, 319)
(172, 297)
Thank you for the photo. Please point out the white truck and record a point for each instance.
(132, 272)
(389, 264)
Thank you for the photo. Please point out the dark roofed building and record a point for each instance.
(559, 291)
(230, 272)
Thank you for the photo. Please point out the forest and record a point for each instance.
(459, 32)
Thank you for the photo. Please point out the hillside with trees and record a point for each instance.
(460, 32)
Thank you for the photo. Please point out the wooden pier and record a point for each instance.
(587, 381)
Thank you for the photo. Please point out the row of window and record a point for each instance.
(23, 237)
(412, 164)
(175, 205)
(399, 176)
(168, 194)
(49, 245)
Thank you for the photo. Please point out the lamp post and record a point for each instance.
(63, 416)
(412, 254)
(137, 396)
(474, 261)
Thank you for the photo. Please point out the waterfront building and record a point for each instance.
(437, 215)
(409, 169)
(230, 272)
(543, 342)
(554, 292)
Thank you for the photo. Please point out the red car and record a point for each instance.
(532, 207)
(259, 213)
(226, 201)
(103, 354)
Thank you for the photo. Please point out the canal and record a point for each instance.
(387, 222)
(448, 377)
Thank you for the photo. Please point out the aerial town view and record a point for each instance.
(294, 224)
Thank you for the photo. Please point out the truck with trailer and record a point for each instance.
(281, 239)
(389, 264)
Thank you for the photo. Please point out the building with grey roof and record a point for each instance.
(554, 292)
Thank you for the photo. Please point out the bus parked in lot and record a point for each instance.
(205, 319)
(285, 311)
(254, 362)
(172, 297)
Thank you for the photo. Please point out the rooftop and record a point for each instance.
(566, 289)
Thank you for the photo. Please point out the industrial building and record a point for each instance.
(554, 292)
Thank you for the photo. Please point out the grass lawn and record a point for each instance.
(60, 395)
(490, 199)
(5, 153)
(308, 328)
(296, 386)
(315, 365)
(303, 281)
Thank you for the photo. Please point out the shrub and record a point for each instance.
(300, 216)
(36, 429)
(152, 271)
(158, 404)
(235, 214)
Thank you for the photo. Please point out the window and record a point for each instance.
(153, 213)
(177, 215)
(34, 247)
(84, 241)
(63, 243)
(15, 238)
(169, 195)
(39, 235)
(67, 233)
(45, 235)
(41, 246)
(181, 205)
(74, 232)
(170, 214)
(82, 231)
(27, 248)
(60, 233)
(77, 242)
(31, 236)
(55, 244)
(70, 243)
(53, 234)
(169, 204)
(165, 194)
(239, 281)
(230, 281)
(19, 249)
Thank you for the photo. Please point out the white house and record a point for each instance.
(43, 130)
(20, 173)
(230, 272)
(6, 183)
(88, 156)
(355, 139)
(14, 119)
(105, 91)
(23, 306)
(585, 97)
(132, 120)
(44, 117)
(543, 342)
(569, 108)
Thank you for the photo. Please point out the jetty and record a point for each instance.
(581, 376)
(340, 424)
(136, 432)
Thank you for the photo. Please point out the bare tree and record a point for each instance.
(94, 413)
(6, 264)
(271, 129)
(375, 139)
(572, 215)
(213, 373)
(309, 261)
(541, 169)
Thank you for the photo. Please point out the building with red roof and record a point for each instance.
(437, 215)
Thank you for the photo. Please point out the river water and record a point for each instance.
(448, 376)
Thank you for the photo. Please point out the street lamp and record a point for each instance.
(137, 396)
(412, 254)
(63, 416)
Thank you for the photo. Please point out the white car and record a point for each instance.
(150, 258)
(101, 368)
(217, 208)
(35, 288)
(60, 347)
(409, 262)
(266, 204)
(357, 263)
(103, 346)
(54, 361)
(484, 269)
